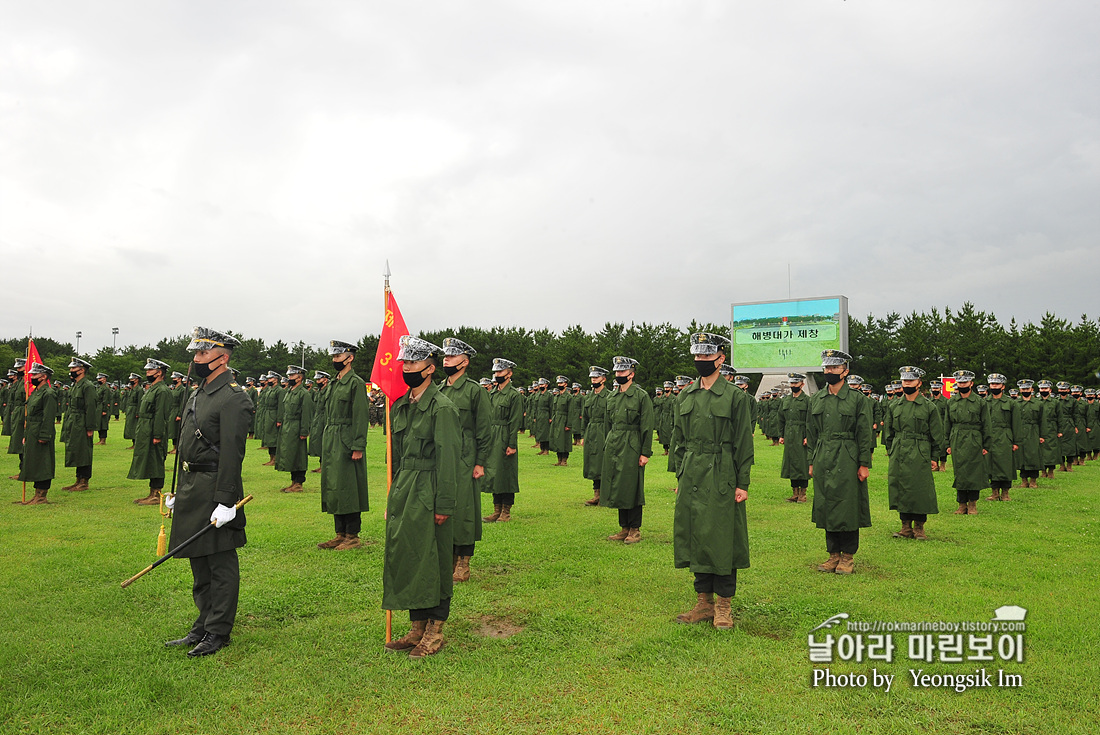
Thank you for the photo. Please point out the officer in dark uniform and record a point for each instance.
(212, 445)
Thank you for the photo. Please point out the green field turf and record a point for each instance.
(560, 631)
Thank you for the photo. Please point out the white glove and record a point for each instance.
(170, 501)
(223, 514)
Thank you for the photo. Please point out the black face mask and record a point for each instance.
(706, 368)
(622, 379)
(935, 392)
(74, 375)
(1044, 393)
(201, 369)
(450, 370)
(964, 391)
(833, 378)
(1025, 394)
(795, 389)
(500, 379)
(596, 384)
(1063, 393)
(909, 389)
(150, 379)
(996, 391)
(563, 389)
(37, 382)
(337, 365)
(414, 380)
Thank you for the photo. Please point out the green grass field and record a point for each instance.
(560, 631)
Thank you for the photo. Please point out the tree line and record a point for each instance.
(938, 341)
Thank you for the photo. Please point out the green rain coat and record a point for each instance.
(501, 468)
(153, 420)
(103, 397)
(1029, 456)
(1080, 420)
(791, 423)
(292, 454)
(840, 440)
(17, 405)
(38, 451)
(713, 438)
(561, 436)
(1067, 424)
(967, 431)
(220, 411)
(317, 428)
(595, 432)
(1005, 430)
(347, 418)
(629, 437)
(542, 415)
(1094, 425)
(273, 403)
(427, 447)
(82, 417)
(475, 416)
(1052, 448)
(913, 436)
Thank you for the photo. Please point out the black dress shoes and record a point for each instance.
(211, 643)
(189, 640)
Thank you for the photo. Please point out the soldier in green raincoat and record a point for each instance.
(742, 382)
(940, 402)
(627, 450)
(1048, 433)
(913, 436)
(594, 415)
(1004, 428)
(17, 408)
(343, 470)
(152, 430)
(1029, 457)
(292, 454)
(272, 398)
(475, 414)
(131, 399)
(713, 440)
(39, 434)
(1080, 418)
(664, 429)
(320, 402)
(105, 401)
(427, 461)
(791, 419)
(1067, 427)
(967, 432)
(80, 424)
(543, 401)
(561, 434)
(1093, 418)
(839, 441)
(501, 478)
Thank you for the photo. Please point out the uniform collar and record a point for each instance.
(716, 389)
(209, 386)
(425, 397)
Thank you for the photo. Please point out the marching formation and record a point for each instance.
(453, 439)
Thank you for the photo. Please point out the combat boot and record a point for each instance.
(431, 642)
(918, 531)
(703, 610)
(153, 499)
(39, 498)
(802, 495)
(906, 530)
(830, 565)
(1004, 494)
(633, 536)
(333, 543)
(972, 507)
(410, 639)
(846, 564)
(995, 494)
(794, 495)
(496, 514)
(595, 498)
(351, 541)
(620, 536)
(505, 514)
(295, 487)
(723, 616)
(962, 510)
(72, 487)
(462, 569)
(83, 485)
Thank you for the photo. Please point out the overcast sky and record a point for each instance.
(251, 165)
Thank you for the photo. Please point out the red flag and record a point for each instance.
(33, 358)
(386, 372)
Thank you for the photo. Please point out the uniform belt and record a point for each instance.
(200, 466)
(339, 422)
(625, 426)
(912, 434)
(501, 423)
(971, 424)
(704, 447)
(839, 435)
(417, 463)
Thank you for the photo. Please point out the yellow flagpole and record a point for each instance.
(389, 439)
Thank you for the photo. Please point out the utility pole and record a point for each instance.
(78, 336)
(114, 336)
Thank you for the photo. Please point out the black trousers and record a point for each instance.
(84, 473)
(842, 542)
(966, 496)
(1030, 474)
(464, 550)
(156, 483)
(102, 434)
(596, 484)
(298, 476)
(1001, 484)
(544, 446)
(216, 588)
(271, 452)
(630, 517)
(348, 523)
(42, 485)
(723, 585)
(562, 456)
(440, 612)
(504, 498)
(918, 517)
